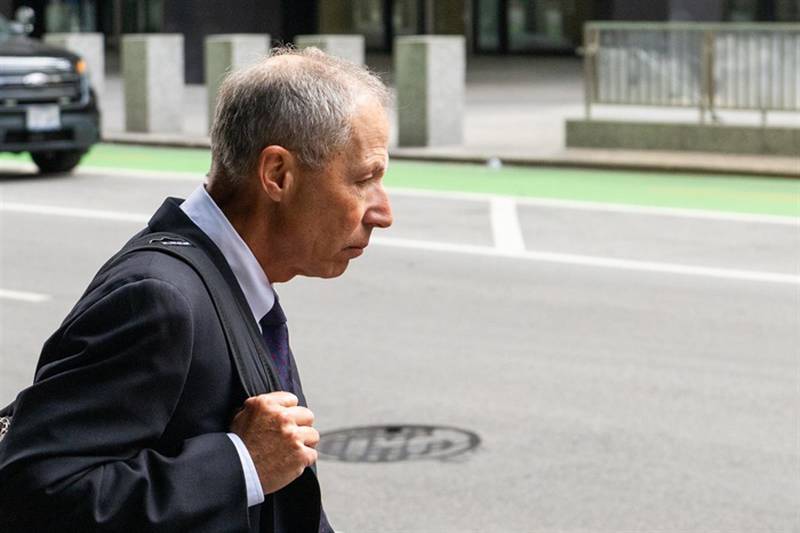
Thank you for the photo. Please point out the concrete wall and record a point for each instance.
(349, 47)
(683, 137)
(152, 75)
(227, 53)
(91, 47)
(429, 77)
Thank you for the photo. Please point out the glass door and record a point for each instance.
(70, 16)
(407, 17)
(520, 26)
(368, 21)
(488, 14)
(538, 24)
(142, 16)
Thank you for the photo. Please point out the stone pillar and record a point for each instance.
(226, 53)
(152, 76)
(349, 47)
(430, 72)
(90, 47)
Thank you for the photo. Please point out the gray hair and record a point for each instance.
(302, 100)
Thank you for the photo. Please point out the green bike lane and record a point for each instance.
(724, 193)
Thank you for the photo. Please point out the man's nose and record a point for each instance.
(379, 211)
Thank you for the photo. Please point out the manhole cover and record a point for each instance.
(383, 444)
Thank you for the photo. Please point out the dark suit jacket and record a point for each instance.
(124, 426)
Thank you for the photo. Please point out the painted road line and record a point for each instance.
(571, 259)
(488, 197)
(18, 166)
(197, 177)
(31, 297)
(470, 196)
(505, 225)
(594, 261)
(602, 206)
(53, 210)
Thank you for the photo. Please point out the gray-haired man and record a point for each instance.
(136, 420)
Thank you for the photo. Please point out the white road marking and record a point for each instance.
(505, 225)
(198, 177)
(31, 297)
(588, 260)
(571, 259)
(602, 206)
(75, 212)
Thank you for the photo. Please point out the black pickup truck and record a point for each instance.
(47, 106)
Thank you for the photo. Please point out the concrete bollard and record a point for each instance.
(152, 76)
(349, 47)
(430, 74)
(90, 47)
(228, 52)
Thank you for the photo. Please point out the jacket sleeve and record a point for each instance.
(83, 451)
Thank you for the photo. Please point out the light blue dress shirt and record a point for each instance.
(202, 210)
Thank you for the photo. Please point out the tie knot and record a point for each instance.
(275, 317)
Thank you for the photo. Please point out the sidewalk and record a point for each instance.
(516, 108)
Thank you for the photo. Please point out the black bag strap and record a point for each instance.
(253, 364)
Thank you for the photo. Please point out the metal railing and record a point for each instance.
(709, 66)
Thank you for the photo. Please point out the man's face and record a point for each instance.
(333, 211)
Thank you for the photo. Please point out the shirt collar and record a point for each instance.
(204, 212)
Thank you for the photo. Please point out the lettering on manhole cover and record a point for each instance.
(383, 444)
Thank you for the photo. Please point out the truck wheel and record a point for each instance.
(57, 160)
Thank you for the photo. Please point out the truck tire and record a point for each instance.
(56, 160)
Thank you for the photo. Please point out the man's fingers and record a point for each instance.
(308, 435)
(302, 416)
(311, 456)
(286, 399)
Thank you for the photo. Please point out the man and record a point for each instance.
(136, 420)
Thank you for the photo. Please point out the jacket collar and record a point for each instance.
(171, 218)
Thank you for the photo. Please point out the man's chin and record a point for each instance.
(333, 270)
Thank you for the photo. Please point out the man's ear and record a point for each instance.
(276, 166)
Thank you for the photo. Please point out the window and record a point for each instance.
(368, 21)
(70, 16)
(537, 24)
(488, 25)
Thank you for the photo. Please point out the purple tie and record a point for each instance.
(276, 335)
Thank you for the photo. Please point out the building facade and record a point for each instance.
(490, 26)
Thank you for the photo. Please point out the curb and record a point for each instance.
(643, 161)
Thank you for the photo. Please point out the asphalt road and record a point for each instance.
(624, 370)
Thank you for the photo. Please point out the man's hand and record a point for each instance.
(278, 434)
